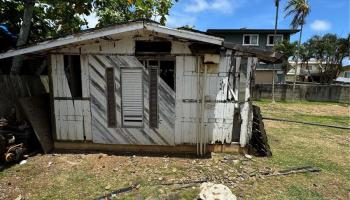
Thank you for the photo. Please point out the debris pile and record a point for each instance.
(259, 145)
(15, 138)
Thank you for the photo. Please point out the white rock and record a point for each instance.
(23, 162)
(248, 156)
(211, 191)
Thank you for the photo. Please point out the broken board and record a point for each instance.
(37, 111)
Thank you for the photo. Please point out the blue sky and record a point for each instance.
(326, 15)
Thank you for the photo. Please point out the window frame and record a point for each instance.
(273, 35)
(347, 74)
(250, 40)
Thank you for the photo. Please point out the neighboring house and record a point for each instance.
(261, 38)
(344, 76)
(140, 86)
(306, 72)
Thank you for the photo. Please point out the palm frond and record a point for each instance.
(299, 10)
(277, 3)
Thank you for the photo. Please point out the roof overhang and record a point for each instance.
(261, 54)
(113, 30)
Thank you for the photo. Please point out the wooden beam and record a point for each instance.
(264, 55)
(177, 149)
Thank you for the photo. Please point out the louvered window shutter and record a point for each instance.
(153, 96)
(111, 104)
(132, 97)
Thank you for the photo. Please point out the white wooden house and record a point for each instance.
(140, 86)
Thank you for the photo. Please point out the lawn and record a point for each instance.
(87, 176)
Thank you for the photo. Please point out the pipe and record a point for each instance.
(202, 149)
(198, 107)
(307, 123)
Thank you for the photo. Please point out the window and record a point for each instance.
(111, 107)
(72, 69)
(271, 40)
(251, 39)
(132, 97)
(347, 75)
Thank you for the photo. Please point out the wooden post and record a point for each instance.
(202, 129)
(236, 112)
(246, 112)
(52, 61)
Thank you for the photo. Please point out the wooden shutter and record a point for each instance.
(153, 96)
(132, 97)
(111, 107)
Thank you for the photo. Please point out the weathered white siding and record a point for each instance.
(101, 133)
(179, 111)
(218, 115)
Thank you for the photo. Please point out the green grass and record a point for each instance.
(295, 192)
(283, 110)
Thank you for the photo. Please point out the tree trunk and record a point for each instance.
(296, 62)
(23, 34)
(274, 43)
(308, 69)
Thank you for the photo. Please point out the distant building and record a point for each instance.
(261, 38)
(306, 72)
(344, 76)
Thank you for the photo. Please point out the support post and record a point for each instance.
(246, 112)
(203, 135)
(236, 112)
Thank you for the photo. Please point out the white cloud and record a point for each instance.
(320, 25)
(224, 6)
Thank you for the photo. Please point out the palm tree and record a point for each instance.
(299, 10)
(277, 4)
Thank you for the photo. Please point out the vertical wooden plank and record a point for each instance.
(63, 120)
(57, 119)
(71, 120)
(178, 96)
(85, 76)
(78, 113)
(65, 90)
(87, 120)
(60, 74)
(236, 126)
(54, 75)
